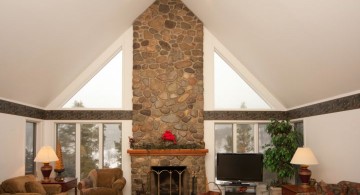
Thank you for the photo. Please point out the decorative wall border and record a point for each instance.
(21, 110)
(337, 105)
(244, 115)
(88, 115)
(28, 111)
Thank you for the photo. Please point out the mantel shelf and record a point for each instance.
(167, 152)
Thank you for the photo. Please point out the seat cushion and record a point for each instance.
(105, 180)
(106, 177)
(35, 187)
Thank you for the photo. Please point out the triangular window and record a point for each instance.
(104, 90)
(231, 91)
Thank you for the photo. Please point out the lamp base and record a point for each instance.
(304, 174)
(59, 177)
(46, 171)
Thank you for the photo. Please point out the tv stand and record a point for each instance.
(237, 183)
(238, 188)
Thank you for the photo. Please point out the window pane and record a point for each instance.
(30, 148)
(223, 138)
(66, 135)
(245, 138)
(104, 90)
(112, 145)
(240, 95)
(89, 148)
(264, 137)
(299, 127)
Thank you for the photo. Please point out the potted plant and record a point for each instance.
(278, 154)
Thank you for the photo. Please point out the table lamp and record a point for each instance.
(46, 155)
(304, 157)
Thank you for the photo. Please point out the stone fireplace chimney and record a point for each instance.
(167, 92)
(168, 74)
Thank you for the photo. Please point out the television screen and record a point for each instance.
(247, 167)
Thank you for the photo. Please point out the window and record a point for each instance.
(104, 90)
(66, 135)
(30, 147)
(240, 95)
(245, 138)
(99, 146)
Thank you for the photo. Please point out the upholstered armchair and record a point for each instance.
(108, 181)
(27, 185)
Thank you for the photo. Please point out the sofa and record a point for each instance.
(341, 188)
(28, 185)
(108, 181)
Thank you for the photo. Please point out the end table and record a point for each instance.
(66, 185)
(298, 190)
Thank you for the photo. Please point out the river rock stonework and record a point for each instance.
(168, 74)
(167, 86)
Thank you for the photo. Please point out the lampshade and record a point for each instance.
(45, 155)
(304, 156)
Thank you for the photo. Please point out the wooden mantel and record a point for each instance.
(167, 152)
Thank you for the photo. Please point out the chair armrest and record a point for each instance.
(85, 183)
(119, 184)
(52, 188)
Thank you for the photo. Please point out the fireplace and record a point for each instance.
(165, 180)
(168, 94)
(146, 164)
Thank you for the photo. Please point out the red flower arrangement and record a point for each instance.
(168, 136)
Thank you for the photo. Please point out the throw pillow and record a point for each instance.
(353, 187)
(35, 187)
(330, 188)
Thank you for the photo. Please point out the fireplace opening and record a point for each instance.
(169, 180)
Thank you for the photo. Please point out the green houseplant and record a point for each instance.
(278, 154)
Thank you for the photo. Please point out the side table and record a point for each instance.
(66, 185)
(298, 190)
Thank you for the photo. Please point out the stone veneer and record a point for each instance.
(168, 74)
(167, 87)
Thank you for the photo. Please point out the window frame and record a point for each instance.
(34, 135)
(101, 144)
(89, 79)
(211, 45)
(242, 79)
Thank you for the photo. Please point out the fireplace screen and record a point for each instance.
(169, 180)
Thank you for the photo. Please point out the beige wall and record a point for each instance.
(12, 146)
(335, 140)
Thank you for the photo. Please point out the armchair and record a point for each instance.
(27, 185)
(108, 181)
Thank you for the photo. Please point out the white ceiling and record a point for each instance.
(302, 51)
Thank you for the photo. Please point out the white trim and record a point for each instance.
(101, 144)
(89, 73)
(256, 137)
(234, 137)
(211, 44)
(208, 71)
(77, 149)
(127, 69)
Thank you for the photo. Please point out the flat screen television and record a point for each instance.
(244, 167)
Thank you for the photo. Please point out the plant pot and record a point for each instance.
(275, 191)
